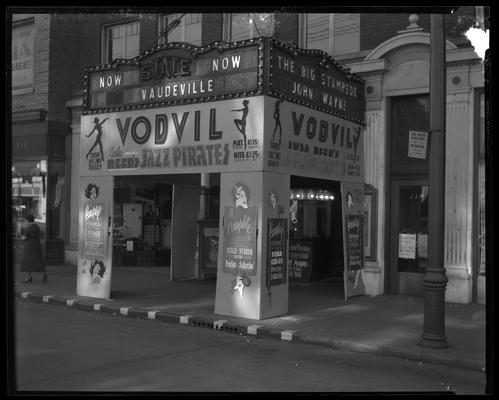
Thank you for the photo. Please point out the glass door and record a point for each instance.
(409, 236)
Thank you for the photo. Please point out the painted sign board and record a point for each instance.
(313, 78)
(22, 56)
(175, 73)
(306, 142)
(276, 251)
(95, 240)
(352, 195)
(209, 137)
(240, 227)
(300, 259)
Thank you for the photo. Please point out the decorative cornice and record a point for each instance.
(404, 39)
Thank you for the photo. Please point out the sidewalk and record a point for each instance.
(318, 314)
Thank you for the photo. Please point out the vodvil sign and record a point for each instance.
(207, 137)
(175, 73)
(306, 142)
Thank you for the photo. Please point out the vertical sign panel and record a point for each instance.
(276, 251)
(352, 207)
(95, 240)
(239, 256)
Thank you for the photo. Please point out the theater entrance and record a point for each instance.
(315, 231)
(154, 222)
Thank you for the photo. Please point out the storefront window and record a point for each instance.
(55, 200)
(29, 194)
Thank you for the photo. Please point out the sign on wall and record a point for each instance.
(94, 239)
(352, 195)
(306, 142)
(208, 137)
(95, 224)
(418, 141)
(239, 254)
(176, 73)
(300, 259)
(22, 56)
(276, 251)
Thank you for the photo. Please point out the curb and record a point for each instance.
(252, 330)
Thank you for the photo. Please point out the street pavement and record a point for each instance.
(386, 325)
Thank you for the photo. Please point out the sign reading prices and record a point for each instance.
(176, 73)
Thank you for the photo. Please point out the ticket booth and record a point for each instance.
(258, 113)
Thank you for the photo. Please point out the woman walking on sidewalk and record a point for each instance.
(32, 255)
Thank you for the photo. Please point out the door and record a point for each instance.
(408, 236)
(185, 214)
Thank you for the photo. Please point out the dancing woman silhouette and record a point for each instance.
(98, 128)
(241, 123)
(277, 121)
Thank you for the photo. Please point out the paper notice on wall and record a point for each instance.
(407, 245)
(417, 144)
(423, 245)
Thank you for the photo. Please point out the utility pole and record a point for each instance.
(435, 280)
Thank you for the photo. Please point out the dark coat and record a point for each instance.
(32, 253)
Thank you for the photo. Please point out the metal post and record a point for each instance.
(435, 279)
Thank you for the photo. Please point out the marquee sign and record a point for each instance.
(312, 78)
(179, 73)
(217, 136)
(173, 74)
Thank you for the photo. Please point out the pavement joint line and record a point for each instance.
(25, 295)
(252, 329)
(97, 307)
(184, 319)
(287, 335)
(218, 324)
(124, 311)
(70, 302)
(45, 299)
(151, 314)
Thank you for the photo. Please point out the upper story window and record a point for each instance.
(121, 41)
(241, 26)
(332, 33)
(188, 31)
(22, 56)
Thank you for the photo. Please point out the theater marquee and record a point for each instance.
(176, 73)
